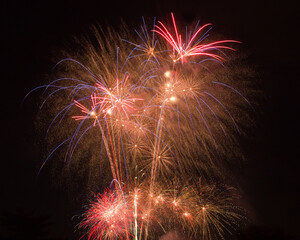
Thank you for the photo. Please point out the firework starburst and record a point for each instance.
(157, 117)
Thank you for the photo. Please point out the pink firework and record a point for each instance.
(108, 217)
(119, 100)
(105, 101)
(192, 46)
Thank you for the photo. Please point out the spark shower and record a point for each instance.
(161, 108)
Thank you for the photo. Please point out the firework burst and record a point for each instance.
(108, 217)
(192, 46)
(155, 110)
(196, 208)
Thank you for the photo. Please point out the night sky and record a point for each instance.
(33, 30)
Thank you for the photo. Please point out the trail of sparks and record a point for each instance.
(154, 117)
(192, 46)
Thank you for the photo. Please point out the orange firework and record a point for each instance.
(153, 115)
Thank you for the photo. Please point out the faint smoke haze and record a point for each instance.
(172, 236)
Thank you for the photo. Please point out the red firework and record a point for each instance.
(192, 46)
(108, 217)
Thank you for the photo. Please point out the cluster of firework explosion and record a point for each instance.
(153, 104)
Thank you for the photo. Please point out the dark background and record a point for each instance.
(31, 30)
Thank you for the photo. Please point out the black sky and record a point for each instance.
(32, 30)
